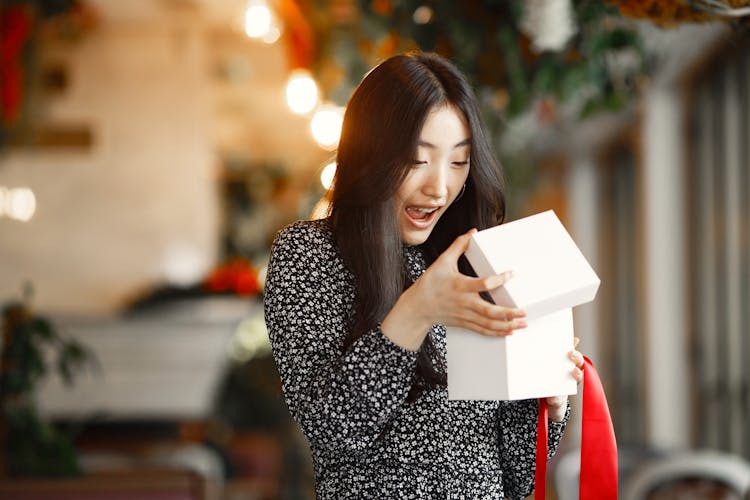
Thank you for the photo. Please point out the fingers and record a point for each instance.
(479, 306)
(459, 246)
(577, 358)
(489, 326)
(485, 329)
(576, 341)
(486, 284)
(488, 319)
(474, 313)
(556, 401)
(557, 407)
(578, 375)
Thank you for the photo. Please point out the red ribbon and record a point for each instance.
(598, 479)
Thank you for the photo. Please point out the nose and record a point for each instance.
(435, 184)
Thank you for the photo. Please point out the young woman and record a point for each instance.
(357, 303)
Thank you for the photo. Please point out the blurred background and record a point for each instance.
(150, 149)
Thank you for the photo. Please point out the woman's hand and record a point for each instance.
(442, 295)
(557, 405)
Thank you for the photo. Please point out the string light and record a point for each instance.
(17, 203)
(326, 176)
(423, 15)
(258, 19)
(301, 92)
(326, 126)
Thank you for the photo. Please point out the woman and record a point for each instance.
(357, 303)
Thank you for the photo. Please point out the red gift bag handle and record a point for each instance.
(598, 477)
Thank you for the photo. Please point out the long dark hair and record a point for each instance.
(382, 124)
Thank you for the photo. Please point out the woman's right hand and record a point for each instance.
(442, 295)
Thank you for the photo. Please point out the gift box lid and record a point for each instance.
(549, 271)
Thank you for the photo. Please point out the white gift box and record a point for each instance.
(550, 277)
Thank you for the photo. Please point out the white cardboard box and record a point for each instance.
(531, 363)
(550, 276)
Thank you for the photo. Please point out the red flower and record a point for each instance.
(236, 276)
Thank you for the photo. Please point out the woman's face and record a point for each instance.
(437, 174)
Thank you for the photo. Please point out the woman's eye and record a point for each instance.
(461, 163)
(417, 163)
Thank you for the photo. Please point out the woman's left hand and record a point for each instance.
(557, 405)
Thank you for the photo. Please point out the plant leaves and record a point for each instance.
(43, 329)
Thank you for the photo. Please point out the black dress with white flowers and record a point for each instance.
(367, 440)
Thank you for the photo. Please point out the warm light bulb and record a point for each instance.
(301, 92)
(257, 20)
(326, 126)
(326, 176)
(273, 34)
(423, 15)
(20, 204)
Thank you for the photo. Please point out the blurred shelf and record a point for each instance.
(163, 363)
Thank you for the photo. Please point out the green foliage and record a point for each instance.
(25, 364)
(596, 71)
(484, 39)
(33, 447)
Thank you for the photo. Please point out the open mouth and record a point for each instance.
(421, 216)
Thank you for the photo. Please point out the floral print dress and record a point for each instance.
(367, 440)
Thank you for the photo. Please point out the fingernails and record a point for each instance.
(499, 279)
(519, 324)
(495, 281)
(519, 313)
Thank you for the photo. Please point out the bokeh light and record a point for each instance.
(423, 15)
(273, 34)
(17, 203)
(326, 176)
(257, 19)
(301, 92)
(326, 126)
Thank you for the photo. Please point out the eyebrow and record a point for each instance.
(465, 142)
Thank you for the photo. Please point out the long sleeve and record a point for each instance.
(340, 399)
(518, 420)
